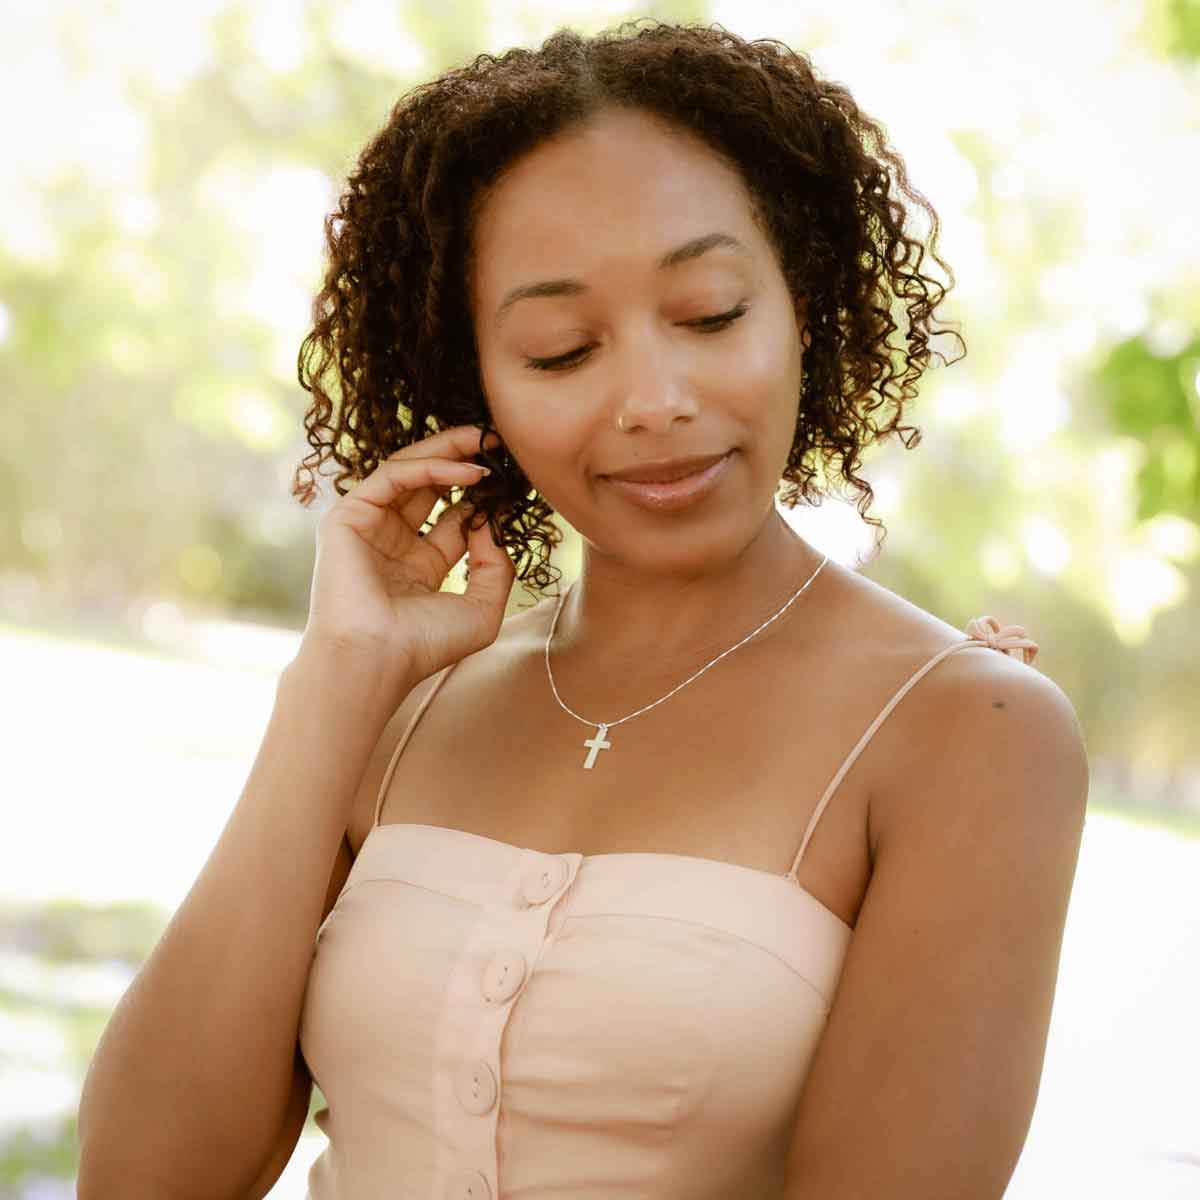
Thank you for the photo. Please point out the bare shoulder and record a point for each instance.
(515, 631)
(956, 948)
(987, 723)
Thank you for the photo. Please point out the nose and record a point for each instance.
(653, 398)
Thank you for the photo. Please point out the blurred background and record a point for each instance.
(167, 170)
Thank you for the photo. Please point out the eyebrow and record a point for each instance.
(576, 287)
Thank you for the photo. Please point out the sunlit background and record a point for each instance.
(167, 169)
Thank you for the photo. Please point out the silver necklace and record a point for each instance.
(598, 742)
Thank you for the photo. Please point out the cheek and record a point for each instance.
(766, 380)
(536, 433)
(509, 407)
(541, 422)
(771, 358)
(767, 395)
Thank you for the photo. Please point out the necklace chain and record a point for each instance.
(604, 726)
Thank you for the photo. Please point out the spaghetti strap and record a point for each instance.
(981, 631)
(412, 724)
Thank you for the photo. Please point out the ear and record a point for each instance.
(801, 307)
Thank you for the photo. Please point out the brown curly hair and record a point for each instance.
(392, 319)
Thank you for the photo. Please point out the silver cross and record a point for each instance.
(595, 745)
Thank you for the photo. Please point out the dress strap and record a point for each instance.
(412, 724)
(981, 631)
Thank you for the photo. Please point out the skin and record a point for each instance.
(605, 202)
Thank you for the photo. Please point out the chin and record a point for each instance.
(687, 548)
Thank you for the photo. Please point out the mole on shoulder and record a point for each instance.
(998, 704)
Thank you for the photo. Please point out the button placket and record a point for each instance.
(503, 975)
(483, 988)
(476, 1086)
(542, 879)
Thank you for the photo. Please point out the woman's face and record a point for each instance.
(589, 215)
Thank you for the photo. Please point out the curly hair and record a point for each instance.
(392, 331)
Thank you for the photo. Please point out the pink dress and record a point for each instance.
(488, 1021)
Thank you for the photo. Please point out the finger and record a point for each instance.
(460, 442)
(463, 439)
(446, 536)
(416, 509)
(490, 573)
(392, 483)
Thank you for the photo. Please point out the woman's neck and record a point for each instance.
(619, 619)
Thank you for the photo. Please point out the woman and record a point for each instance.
(654, 888)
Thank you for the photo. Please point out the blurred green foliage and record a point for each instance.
(1153, 398)
(1174, 25)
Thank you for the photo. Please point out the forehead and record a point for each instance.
(620, 190)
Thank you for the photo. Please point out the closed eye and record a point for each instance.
(712, 324)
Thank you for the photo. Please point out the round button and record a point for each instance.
(543, 879)
(467, 1185)
(476, 1087)
(503, 975)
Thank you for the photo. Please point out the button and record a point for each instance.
(503, 975)
(476, 1087)
(467, 1185)
(543, 879)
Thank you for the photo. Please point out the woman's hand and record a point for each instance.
(377, 578)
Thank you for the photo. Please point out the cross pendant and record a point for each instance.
(595, 745)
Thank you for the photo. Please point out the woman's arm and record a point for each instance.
(196, 1070)
(924, 1083)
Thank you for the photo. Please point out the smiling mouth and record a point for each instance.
(676, 494)
(669, 474)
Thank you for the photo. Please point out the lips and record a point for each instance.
(677, 495)
(667, 472)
